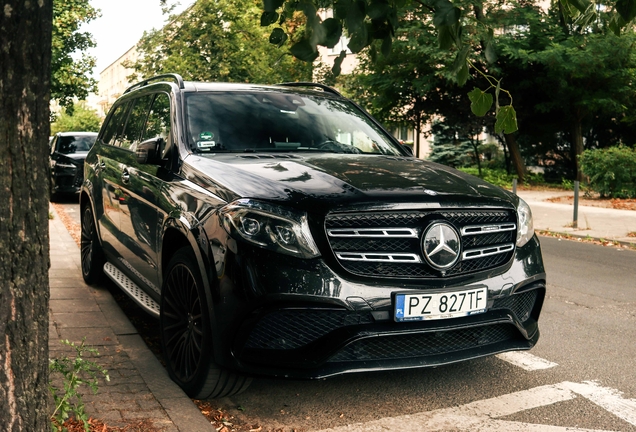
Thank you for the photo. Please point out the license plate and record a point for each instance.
(435, 306)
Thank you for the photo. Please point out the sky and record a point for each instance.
(121, 25)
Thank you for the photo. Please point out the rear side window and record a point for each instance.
(136, 122)
(115, 125)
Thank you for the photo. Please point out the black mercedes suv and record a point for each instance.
(281, 231)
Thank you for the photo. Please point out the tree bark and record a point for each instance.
(25, 59)
(577, 147)
(418, 128)
(515, 156)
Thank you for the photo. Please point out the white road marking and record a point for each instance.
(483, 415)
(607, 398)
(526, 361)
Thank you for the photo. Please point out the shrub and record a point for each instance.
(611, 171)
(501, 178)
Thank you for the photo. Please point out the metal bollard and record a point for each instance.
(514, 186)
(575, 221)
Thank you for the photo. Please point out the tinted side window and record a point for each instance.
(136, 122)
(115, 125)
(158, 124)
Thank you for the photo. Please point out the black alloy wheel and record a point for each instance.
(92, 257)
(186, 336)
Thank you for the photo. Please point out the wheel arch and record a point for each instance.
(177, 233)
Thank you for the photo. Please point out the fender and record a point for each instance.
(192, 230)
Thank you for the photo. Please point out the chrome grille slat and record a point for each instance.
(487, 251)
(374, 232)
(379, 257)
(487, 229)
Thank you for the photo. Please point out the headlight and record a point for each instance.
(525, 231)
(271, 227)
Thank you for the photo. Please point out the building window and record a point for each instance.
(340, 46)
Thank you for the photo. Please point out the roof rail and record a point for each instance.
(176, 77)
(311, 84)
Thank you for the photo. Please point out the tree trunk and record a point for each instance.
(25, 58)
(577, 147)
(475, 145)
(506, 155)
(418, 128)
(515, 156)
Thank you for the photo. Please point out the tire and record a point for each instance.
(186, 334)
(92, 257)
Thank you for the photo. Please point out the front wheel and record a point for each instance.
(186, 336)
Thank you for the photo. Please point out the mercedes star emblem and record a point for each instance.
(441, 245)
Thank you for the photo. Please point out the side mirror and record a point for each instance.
(148, 151)
(408, 149)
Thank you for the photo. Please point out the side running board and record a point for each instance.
(132, 289)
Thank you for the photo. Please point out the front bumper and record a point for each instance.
(301, 320)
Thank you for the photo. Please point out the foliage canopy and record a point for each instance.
(218, 40)
(71, 66)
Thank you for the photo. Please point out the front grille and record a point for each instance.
(424, 344)
(520, 304)
(290, 329)
(362, 233)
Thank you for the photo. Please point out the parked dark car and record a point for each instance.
(68, 151)
(281, 231)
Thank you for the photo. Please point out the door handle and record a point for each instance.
(125, 176)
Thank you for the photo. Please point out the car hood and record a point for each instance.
(339, 180)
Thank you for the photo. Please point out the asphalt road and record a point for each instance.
(588, 330)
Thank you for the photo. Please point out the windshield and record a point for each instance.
(278, 121)
(76, 144)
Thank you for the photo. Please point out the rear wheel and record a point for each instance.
(92, 256)
(186, 335)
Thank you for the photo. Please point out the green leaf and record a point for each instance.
(446, 14)
(626, 9)
(580, 5)
(506, 120)
(355, 17)
(462, 75)
(278, 37)
(342, 8)
(358, 40)
(446, 37)
(337, 64)
(268, 18)
(460, 59)
(272, 5)
(378, 10)
(480, 102)
(304, 51)
(616, 24)
(387, 43)
(333, 32)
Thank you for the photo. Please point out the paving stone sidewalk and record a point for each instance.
(139, 387)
